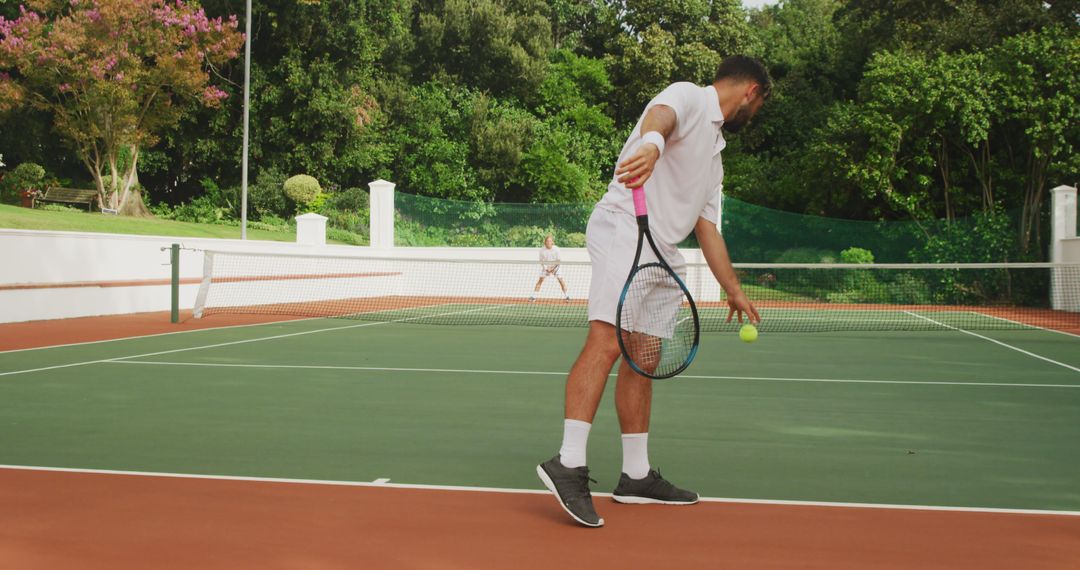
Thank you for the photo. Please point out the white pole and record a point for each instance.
(382, 214)
(247, 100)
(1063, 237)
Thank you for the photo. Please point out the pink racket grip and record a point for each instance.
(640, 209)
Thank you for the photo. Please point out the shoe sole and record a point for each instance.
(630, 500)
(551, 487)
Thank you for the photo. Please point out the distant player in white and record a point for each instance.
(549, 266)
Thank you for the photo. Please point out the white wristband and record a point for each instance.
(654, 138)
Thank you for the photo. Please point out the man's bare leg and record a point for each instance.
(633, 400)
(589, 374)
(536, 290)
(566, 475)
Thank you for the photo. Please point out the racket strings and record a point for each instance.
(657, 325)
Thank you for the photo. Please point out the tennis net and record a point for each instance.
(790, 297)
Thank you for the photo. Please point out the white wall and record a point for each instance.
(36, 258)
(49, 258)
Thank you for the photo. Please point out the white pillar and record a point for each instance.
(311, 229)
(1064, 221)
(1064, 248)
(382, 214)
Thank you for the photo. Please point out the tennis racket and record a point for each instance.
(657, 321)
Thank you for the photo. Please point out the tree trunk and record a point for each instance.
(131, 202)
(1034, 189)
(134, 205)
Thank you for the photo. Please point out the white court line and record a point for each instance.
(235, 342)
(208, 329)
(376, 483)
(1025, 325)
(998, 342)
(545, 373)
(226, 327)
(381, 481)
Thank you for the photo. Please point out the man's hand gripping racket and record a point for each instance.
(656, 321)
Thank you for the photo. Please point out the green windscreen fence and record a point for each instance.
(424, 221)
(754, 234)
(758, 234)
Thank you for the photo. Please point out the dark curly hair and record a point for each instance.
(745, 68)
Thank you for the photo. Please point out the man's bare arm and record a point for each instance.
(716, 255)
(634, 171)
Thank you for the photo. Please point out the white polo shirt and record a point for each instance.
(686, 181)
(549, 257)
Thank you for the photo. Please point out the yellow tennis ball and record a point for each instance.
(748, 333)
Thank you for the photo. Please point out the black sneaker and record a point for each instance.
(571, 487)
(653, 489)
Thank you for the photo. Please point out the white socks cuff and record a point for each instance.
(635, 455)
(575, 440)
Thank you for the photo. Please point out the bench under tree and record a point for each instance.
(69, 196)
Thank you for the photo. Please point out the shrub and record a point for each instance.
(271, 220)
(201, 210)
(161, 210)
(910, 290)
(526, 236)
(260, 225)
(856, 255)
(347, 209)
(345, 236)
(469, 240)
(799, 280)
(319, 203)
(573, 239)
(227, 200)
(26, 176)
(806, 255)
(267, 194)
(350, 199)
(302, 190)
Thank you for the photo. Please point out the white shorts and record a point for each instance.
(611, 239)
(556, 272)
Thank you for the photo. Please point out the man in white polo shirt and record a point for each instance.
(674, 151)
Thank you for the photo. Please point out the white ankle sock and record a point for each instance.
(635, 455)
(574, 441)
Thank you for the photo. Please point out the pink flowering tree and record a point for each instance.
(114, 74)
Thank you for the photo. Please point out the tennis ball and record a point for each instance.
(748, 333)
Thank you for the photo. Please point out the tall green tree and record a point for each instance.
(956, 134)
(769, 163)
(315, 68)
(660, 42)
(498, 47)
(1038, 132)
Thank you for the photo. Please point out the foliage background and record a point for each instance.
(945, 116)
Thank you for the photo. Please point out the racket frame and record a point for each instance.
(645, 235)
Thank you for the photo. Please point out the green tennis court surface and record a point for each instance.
(925, 418)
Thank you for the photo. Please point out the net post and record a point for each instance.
(204, 285)
(174, 261)
(382, 214)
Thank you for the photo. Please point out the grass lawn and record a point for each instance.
(14, 217)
